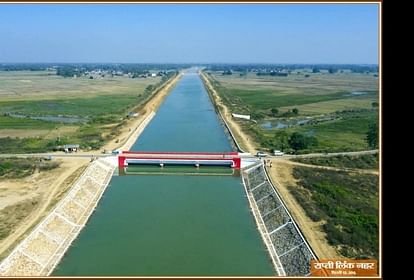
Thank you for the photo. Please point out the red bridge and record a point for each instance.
(231, 159)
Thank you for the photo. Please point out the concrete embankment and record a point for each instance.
(42, 249)
(261, 225)
(239, 148)
(288, 249)
(134, 136)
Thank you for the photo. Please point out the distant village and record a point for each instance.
(102, 73)
(136, 70)
(283, 70)
(94, 74)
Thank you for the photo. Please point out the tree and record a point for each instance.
(295, 111)
(67, 71)
(374, 104)
(297, 141)
(257, 115)
(281, 141)
(372, 135)
(274, 111)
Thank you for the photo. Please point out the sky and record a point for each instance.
(189, 33)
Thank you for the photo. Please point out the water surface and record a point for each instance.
(173, 225)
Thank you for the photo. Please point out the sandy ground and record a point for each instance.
(281, 175)
(49, 186)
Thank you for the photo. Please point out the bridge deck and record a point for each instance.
(179, 157)
(183, 155)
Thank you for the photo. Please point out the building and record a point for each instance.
(245, 117)
(132, 115)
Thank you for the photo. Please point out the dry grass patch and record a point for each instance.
(12, 215)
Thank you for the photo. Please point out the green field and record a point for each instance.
(24, 123)
(349, 204)
(101, 104)
(340, 106)
(82, 107)
(12, 168)
(262, 93)
(326, 107)
(43, 93)
(370, 161)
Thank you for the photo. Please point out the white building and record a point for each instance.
(246, 117)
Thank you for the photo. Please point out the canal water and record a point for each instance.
(157, 225)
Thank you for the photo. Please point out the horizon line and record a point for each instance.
(195, 63)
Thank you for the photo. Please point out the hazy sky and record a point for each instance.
(264, 33)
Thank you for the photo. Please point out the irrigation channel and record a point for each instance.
(157, 225)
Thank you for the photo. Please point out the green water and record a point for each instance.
(173, 225)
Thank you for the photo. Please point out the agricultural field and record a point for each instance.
(263, 93)
(335, 110)
(46, 85)
(40, 110)
(346, 204)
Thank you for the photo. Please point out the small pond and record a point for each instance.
(277, 124)
(51, 118)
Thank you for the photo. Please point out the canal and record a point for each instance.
(157, 225)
